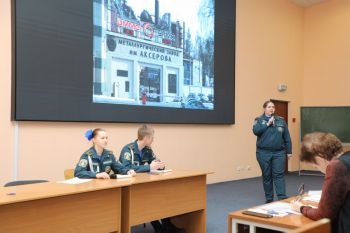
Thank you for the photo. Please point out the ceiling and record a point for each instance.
(307, 3)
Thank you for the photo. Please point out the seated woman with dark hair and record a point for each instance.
(325, 152)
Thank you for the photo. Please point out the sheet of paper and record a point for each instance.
(313, 196)
(74, 180)
(313, 192)
(123, 176)
(278, 206)
(161, 171)
(277, 209)
(263, 211)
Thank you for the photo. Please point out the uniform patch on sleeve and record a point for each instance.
(83, 163)
(127, 156)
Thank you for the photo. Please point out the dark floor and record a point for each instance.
(226, 197)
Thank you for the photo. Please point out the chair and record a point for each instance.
(320, 226)
(68, 174)
(23, 182)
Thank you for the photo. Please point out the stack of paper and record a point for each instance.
(277, 209)
(161, 171)
(74, 180)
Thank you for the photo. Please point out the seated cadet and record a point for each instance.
(139, 156)
(97, 162)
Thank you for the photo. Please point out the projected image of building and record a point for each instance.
(146, 58)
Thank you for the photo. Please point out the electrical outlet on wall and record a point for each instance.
(243, 168)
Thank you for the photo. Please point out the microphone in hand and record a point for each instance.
(271, 121)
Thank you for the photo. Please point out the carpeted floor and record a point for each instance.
(226, 197)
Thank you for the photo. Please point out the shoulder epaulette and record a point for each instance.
(258, 117)
(278, 117)
(131, 146)
(89, 152)
(109, 152)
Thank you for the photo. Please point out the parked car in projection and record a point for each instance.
(203, 98)
(194, 104)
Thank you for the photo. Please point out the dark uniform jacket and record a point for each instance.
(90, 164)
(275, 137)
(132, 158)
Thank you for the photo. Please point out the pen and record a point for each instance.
(300, 192)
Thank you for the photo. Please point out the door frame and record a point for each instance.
(287, 103)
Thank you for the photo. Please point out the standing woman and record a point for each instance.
(98, 162)
(325, 152)
(272, 145)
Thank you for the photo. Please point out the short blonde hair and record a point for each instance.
(144, 131)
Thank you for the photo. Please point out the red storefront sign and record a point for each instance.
(127, 24)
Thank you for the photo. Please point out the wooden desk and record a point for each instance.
(52, 207)
(178, 194)
(283, 224)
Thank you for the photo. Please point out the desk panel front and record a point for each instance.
(166, 195)
(88, 208)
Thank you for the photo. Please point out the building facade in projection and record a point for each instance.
(142, 59)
